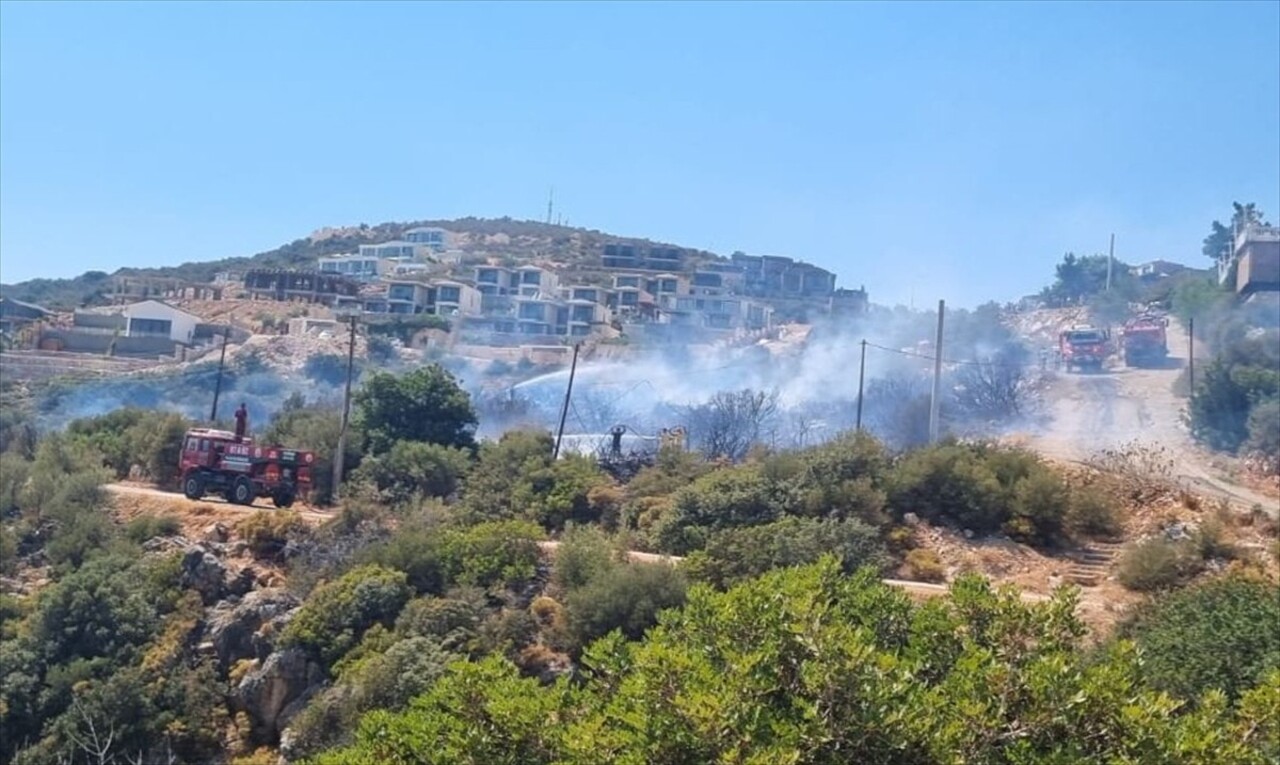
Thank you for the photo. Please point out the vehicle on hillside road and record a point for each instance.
(217, 462)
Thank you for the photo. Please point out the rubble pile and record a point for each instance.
(1043, 325)
(290, 352)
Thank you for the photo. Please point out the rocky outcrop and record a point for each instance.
(248, 629)
(278, 688)
(204, 573)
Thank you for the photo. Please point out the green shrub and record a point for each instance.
(924, 565)
(414, 549)
(1093, 514)
(452, 623)
(1157, 564)
(268, 531)
(626, 597)
(724, 498)
(732, 555)
(1223, 633)
(148, 526)
(583, 554)
(414, 469)
(491, 554)
(333, 619)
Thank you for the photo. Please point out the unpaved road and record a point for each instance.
(1095, 411)
(180, 502)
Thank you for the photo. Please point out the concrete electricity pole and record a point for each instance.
(937, 378)
(338, 457)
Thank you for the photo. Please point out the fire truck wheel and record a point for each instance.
(283, 499)
(193, 486)
(242, 491)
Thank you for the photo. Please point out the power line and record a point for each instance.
(930, 357)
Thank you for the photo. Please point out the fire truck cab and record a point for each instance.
(216, 462)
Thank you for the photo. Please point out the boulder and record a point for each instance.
(203, 572)
(276, 685)
(237, 629)
(217, 532)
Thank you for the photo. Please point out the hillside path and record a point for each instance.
(1121, 405)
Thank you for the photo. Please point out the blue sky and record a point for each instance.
(924, 150)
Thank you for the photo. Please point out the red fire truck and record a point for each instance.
(1144, 342)
(216, 462)
(1084, 348)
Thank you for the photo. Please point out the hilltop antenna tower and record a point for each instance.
(551, 198)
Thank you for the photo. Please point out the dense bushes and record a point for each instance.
(733, 555)
(1221, 634)
(810, 665)
(988, 488)
(335, 616)
(127, 437)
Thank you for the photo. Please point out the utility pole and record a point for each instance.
(862, 367)
(937, 378)
(217, 386)
(564, 411)
(1191, 355)
(339, 456)
(1111, 256)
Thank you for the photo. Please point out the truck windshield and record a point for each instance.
(1084, 337)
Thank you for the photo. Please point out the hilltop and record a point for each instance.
(506, 238)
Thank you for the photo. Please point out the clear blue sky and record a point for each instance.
(950, 150)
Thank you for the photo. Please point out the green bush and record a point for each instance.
(583, 554)
(501, 553)
(413, 469)
(733, 555)
(335, 616)
(452, 623)
(1093, 514)
(268, 531)
(148, 526)
(924, 565)
(426, 404)
(983, 488)
(1223, 634)
(724, 498)
(626, 597)
(1157, 564)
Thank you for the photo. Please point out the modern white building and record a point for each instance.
(151, 318)
(362, 267)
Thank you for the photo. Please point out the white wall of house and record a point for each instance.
(182, 325)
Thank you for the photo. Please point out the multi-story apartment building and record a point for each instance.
(410, 297)
(397, 250)
(643, 257)
(312, 286)
(456, 298)
(535, 280)
(435, 238)
(727, 312)
(772, 276)
(362, 268)
(497, 280)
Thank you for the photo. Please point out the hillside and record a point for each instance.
(500, 237)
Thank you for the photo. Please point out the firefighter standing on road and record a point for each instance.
(242, 417)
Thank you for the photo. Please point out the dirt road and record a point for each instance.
(178, 502)
(1120, 405)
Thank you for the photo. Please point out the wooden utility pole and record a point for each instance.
(217, 385)
(862, 368)
(1111, 256)
(564, 411)
(338, 457)
(937, 378)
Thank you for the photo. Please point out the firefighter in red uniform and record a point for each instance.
(242, 417)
